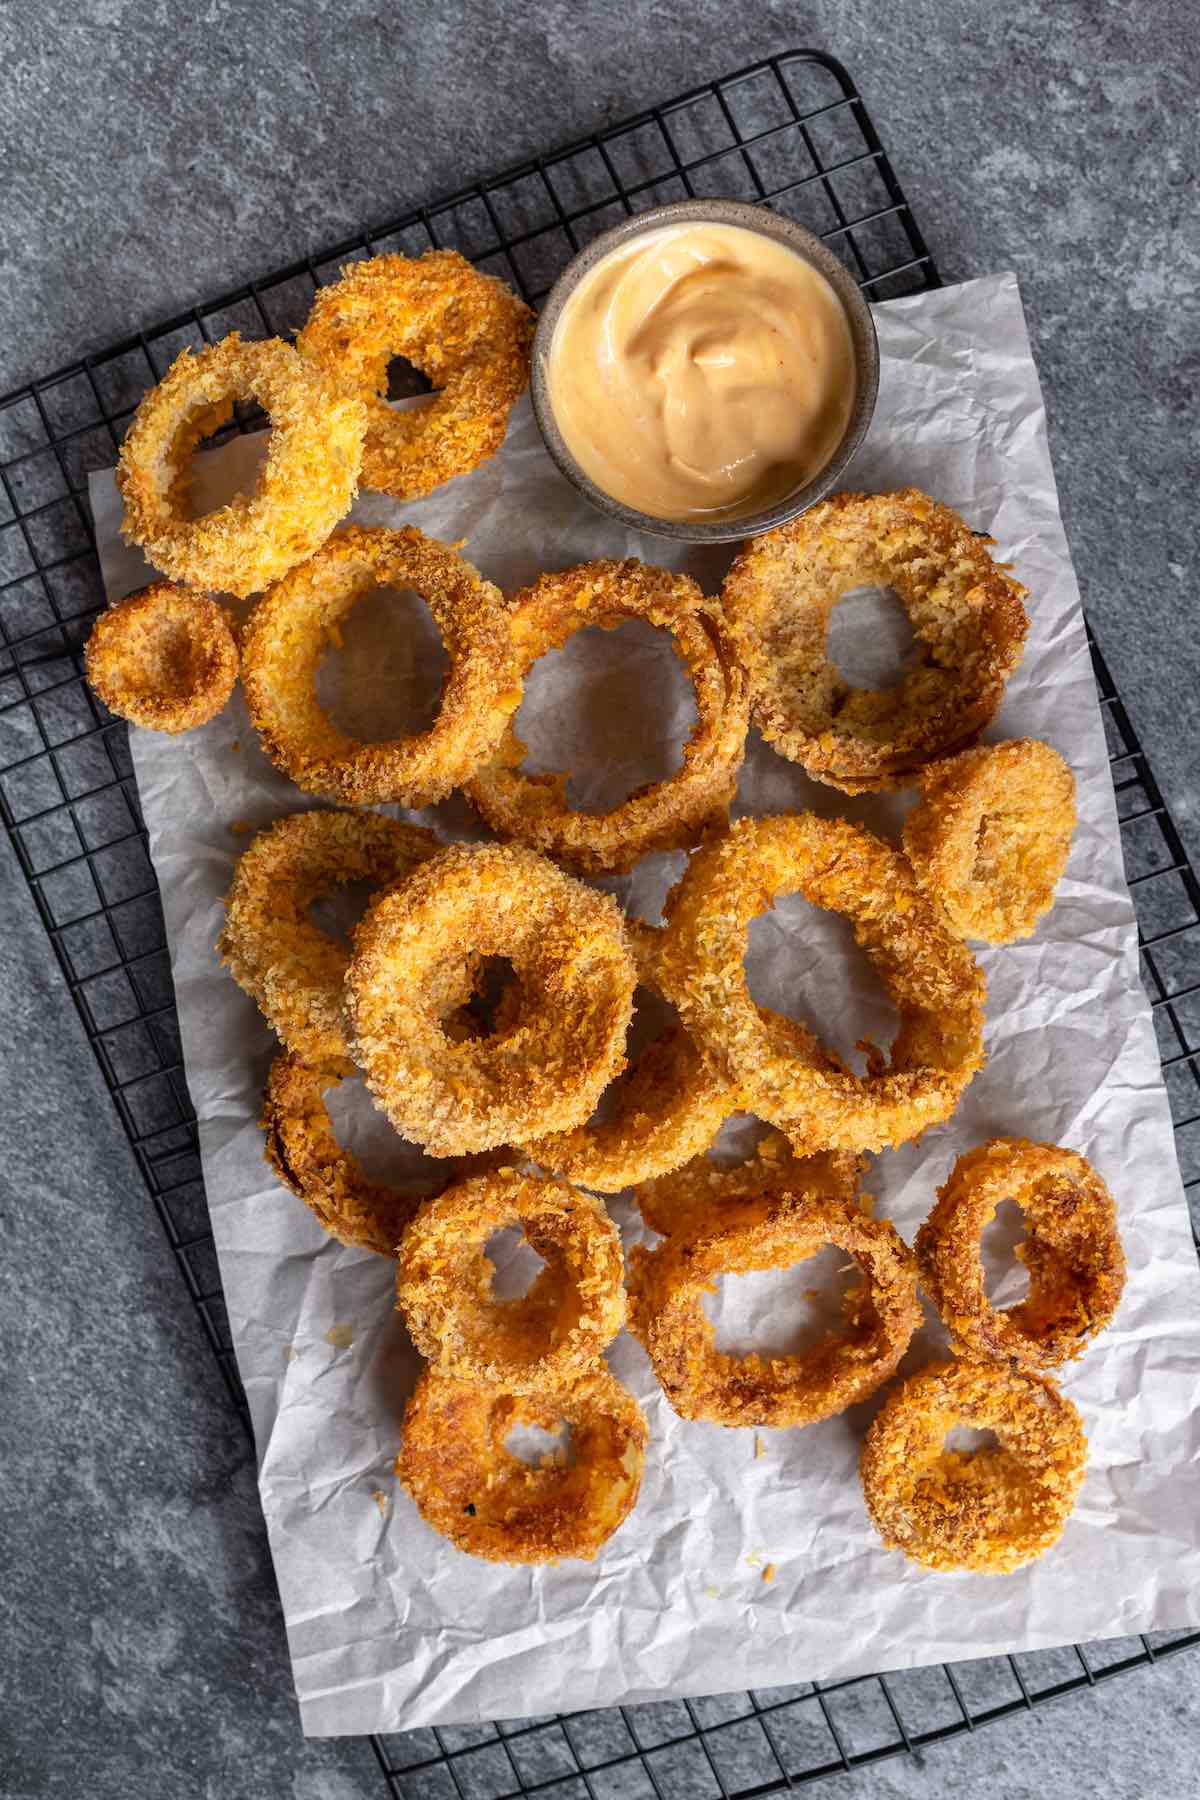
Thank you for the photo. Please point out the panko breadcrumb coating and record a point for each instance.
(466, 331)
(293, 625)
(698, 1198)
(164, 658)
(965, 611)
(1072, 1251)
(990, 836)
(309, 479)
(490, 1503)
(988, 1510)
(669, 814)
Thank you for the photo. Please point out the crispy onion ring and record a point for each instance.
(291, 968)
(489, 1503)
(164, 658)
(669, 814)
(704, 1194)
(558, 1329)
(985, 1510)
(965, 611)
(1072, 1252)
(547, 1065)
(307, 483)
(291, 627)
(466, 331)
(990, 836)
(930, 975)
(667, 1287)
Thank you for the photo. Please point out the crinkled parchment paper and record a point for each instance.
(388, 1626)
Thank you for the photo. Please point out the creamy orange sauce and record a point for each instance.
(701, 371)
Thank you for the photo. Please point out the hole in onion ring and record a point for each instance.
(870, 641)
(493, 985)
(539, 1448)
(384, 678)
(737, 1140)
(782, 1312)
(404, 379)
(338, 912)
(384, 1155)
(966, 1440)
(516, 1263)
(653, 1017)
(215, 481)
(587, 709)
(806, 962)
(1005, 1277)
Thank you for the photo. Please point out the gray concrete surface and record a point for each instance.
(152, 153)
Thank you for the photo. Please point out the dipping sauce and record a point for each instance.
(701, 371)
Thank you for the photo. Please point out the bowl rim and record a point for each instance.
(767, 223)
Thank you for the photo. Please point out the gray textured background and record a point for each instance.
(153, 153)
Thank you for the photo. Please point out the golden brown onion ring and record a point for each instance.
(985, 1510)
(466, 331)
(964, 609)
(930, 975)
(164, 658)
(307, 482)
(490, 1503)
(1072, 1252)
(701, 1196)
(668, 814)
(292, 626)
(990, 836)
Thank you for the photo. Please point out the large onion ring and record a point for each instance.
(292, 969)
(164, 658)
(1072, 1252)
(491, 1504)
(306, 485)
(965, 611)
(990, 836)
(704, 1194)
(546, 1067)
(669, 814)
(667, 1287)
(555, 1331)
(291, 627)
(986, 1510)
(466, 331)
(930, 975)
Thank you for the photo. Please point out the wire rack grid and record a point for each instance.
(793, 132)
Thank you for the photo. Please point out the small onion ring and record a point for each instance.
(667, 1286)
(1072, 1252)
(699, 1197)
(544, 1068)
(988, 1510)
(291, 968)
(930, 975)
(965, 611)
(465, 330)
(669, 814)
(553, 1333)
(306, 485)
(489, 1503)
(290, 629)
(990, 836)
(164, 658)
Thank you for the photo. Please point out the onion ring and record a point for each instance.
(164, 658)
(292, 969)
(965, 611)
(985, 1510)
(307, 483)
(558, 1329)
(930, 975)
(990, 836)
(669, 814)
(1072, 1252)
(704, 1194)
(291, 627)
(466, 331)
(546, 1067)
(489, 1503)
(667, 1286)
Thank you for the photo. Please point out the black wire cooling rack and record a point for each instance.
(793, 132)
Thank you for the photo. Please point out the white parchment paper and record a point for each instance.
(389, 1627)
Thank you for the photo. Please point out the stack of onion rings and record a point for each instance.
(1072, 1252)
(988, 1510)
(669, 814)
(466, 331)
(965, 611)
(164, 658)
